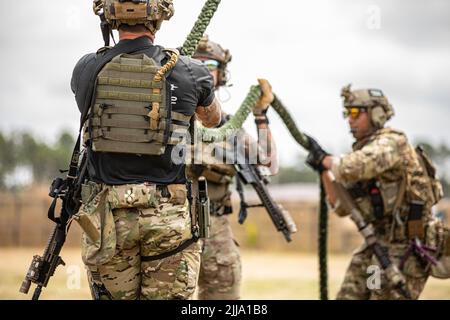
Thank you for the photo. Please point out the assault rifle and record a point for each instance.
(250, 174)
(67, 190)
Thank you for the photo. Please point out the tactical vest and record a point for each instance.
(218, 173)
(132, 111)
(215, 170)
(219, 176)
(405, 190)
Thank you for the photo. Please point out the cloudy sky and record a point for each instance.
(307, 49)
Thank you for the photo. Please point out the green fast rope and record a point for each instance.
(284, 114)
(302, 140)
(323, 208)
(235, 123)
(197, 32)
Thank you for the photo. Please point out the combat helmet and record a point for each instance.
(208, 49)
(376, 103)
(150, 13)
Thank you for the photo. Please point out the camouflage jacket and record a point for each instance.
(387, 160)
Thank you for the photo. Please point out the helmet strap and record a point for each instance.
(106, 29)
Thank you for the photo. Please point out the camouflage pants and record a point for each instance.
(220, 270)
(149, 231)
(360, 282)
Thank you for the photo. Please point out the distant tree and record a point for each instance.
(295, 175)
(7, 158)
(44, 160)
(298, 173)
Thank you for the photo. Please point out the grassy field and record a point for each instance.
(267, 275)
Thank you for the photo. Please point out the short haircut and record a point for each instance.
(135, 28)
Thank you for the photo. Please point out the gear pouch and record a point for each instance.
(96, 219)
(134, 196)
(438, 236)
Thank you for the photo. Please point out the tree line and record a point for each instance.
(44, 160)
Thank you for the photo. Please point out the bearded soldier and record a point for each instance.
(137, 100)
(385, 177)
(220, 271)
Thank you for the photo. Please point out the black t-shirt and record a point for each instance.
(191, 86)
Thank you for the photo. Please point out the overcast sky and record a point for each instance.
(307, 49)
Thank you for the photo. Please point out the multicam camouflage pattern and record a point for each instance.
(361, 274)
(145, 224)
(216, 165)
(95, 218)
(387, 157)
(150, 13)
(220, 270)
(208, 49)
(438, 236)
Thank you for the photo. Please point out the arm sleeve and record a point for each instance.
(372, 160)
(204, 83)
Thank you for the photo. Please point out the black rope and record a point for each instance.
(323, 235)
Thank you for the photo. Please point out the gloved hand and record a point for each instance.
(266, 98)
(316, 155)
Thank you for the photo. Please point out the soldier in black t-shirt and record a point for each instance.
(136, 102)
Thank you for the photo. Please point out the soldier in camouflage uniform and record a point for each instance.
(220, 270)
(136, 100)
(384, 176)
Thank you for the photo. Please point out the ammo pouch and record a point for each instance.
(415, 221)
(435, 186)
(438, 236)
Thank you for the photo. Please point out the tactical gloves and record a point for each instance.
(316, 155)
(265, 100)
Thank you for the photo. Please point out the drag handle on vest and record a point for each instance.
(203, 208)
(367, 230)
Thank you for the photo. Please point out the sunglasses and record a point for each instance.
(353, 112)
(211, 64)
